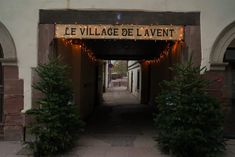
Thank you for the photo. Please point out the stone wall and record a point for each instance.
(13, 104)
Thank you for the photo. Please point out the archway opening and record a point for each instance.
(223, 41)
(88, 56)
(90, 60)
(118, 113)
(229, 57)
(11, 89)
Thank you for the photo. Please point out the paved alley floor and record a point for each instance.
(120, 128)
(119, 96)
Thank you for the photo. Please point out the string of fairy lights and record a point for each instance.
(90, 54)
(73, 35)
(165, 53)
(157, 60)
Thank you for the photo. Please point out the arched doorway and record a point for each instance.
(219, 47)
(222, 71)
(11, 96)
(229, 57)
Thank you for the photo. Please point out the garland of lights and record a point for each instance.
(163, 55)
(144, 32)
(90, 54)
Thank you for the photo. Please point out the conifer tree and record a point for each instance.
(189, 122)
(56, 119)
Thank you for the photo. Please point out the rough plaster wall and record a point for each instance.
(161, 71)
(134, 69)
(76, 72)
(88, 85)
(83, 75)
(100, 83)
(135, 91)
(232, 44)
(72, 57)
(21, 19)
(144, 83)
(106, 75)
(129, 63)
(130, 80)
(192, 45)
(158, 72)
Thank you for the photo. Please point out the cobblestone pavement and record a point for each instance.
(120, 128)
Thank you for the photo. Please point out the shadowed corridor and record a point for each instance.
(119, 128)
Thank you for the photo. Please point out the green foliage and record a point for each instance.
(120, 67)
(189, 121)
(57, 122)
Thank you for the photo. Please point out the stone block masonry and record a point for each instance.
(13, 104)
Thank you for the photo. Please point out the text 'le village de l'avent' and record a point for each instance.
(136, 32)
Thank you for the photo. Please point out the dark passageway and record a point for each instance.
(122, 115)
(119, 125)
(119, 129)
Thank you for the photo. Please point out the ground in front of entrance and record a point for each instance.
(120, 128)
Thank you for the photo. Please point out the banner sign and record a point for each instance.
(131, 32)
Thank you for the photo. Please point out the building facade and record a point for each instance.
(27, 34)
(134, 78)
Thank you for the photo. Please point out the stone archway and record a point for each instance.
(12, 119)
(8, 45)
(217, 71)
(221, 75)
(220, 46)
